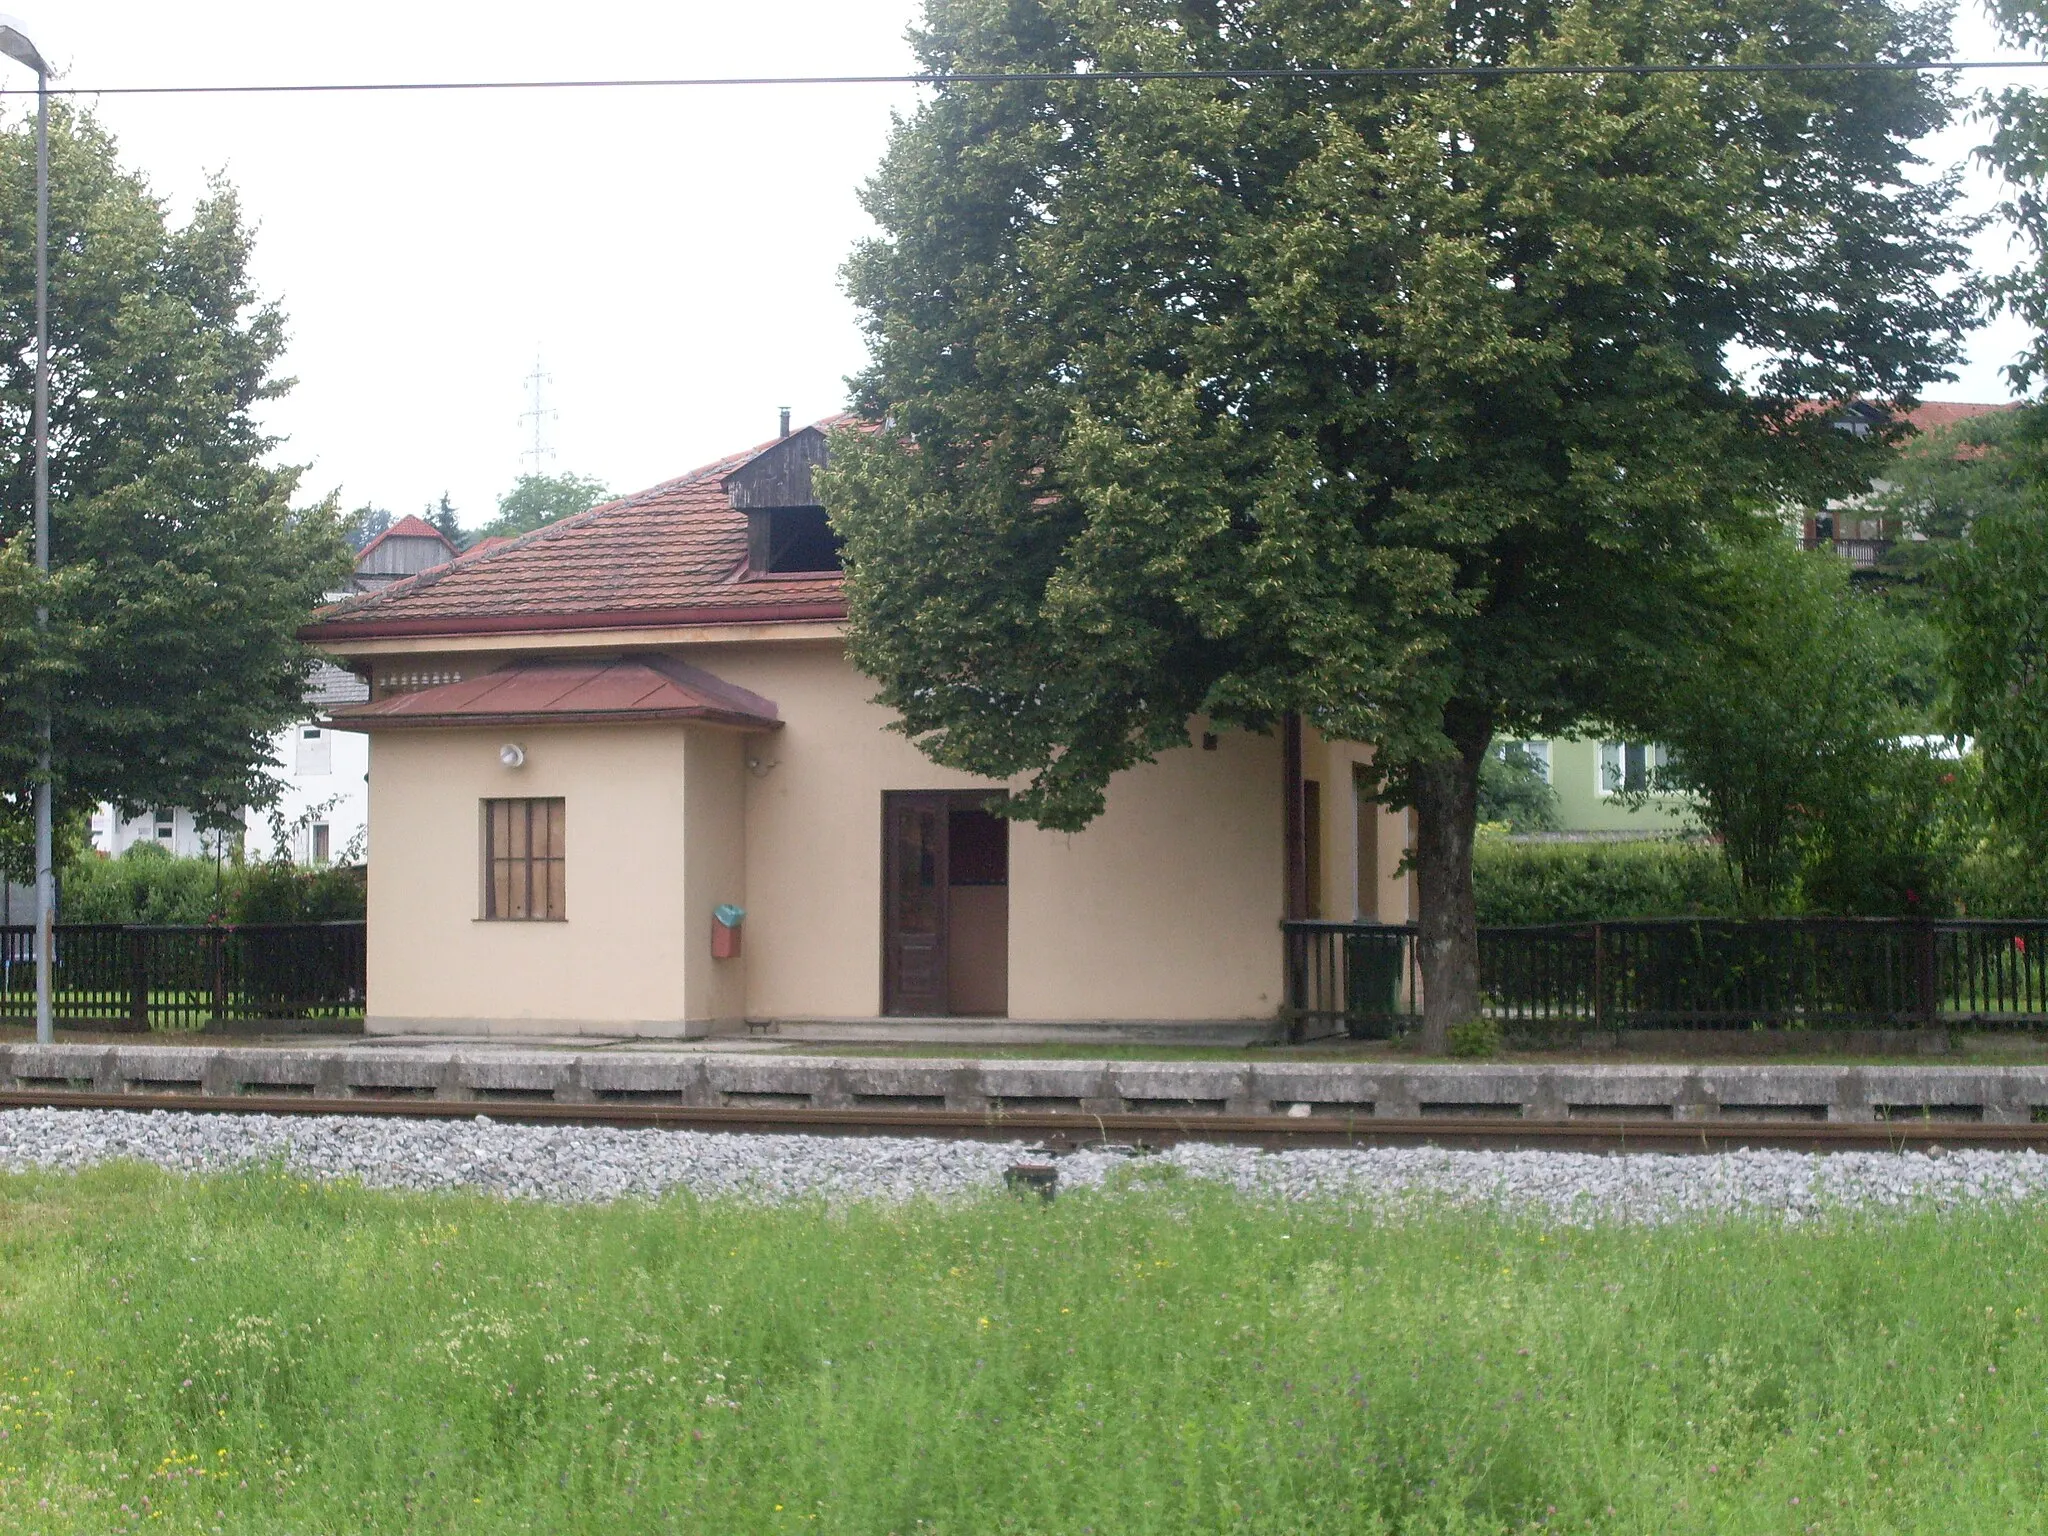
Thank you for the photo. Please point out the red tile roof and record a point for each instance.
(650, 688)
(671, 555)
(1933, 415)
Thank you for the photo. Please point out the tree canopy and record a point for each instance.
(1779, 712)
(1409, 405)
(441, 517)
(364, 524)
(182, 568)
(538, 500)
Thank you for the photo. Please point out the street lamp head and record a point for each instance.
(14, 42)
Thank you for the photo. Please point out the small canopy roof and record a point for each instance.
(622, 691)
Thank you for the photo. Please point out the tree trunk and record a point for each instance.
(1446, 795)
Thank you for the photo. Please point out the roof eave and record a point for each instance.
(427, 628)
(522, 718)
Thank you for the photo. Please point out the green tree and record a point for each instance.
(538, 500)
(442, 517)
(183, 569)
(1512, 790)
(1995, 621)
(1778, 713)
(363, 525)
(2018, 152)
(1404, 404)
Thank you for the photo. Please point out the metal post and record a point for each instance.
(1927, 974)
(46, 879)
(1599, 977)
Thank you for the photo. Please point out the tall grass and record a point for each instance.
(253, 1354)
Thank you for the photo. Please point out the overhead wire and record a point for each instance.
(1054, 77)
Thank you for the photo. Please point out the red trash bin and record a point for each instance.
(725, 931)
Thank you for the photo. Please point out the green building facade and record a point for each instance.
(1591, 779)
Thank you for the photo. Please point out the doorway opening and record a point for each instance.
(945, 905)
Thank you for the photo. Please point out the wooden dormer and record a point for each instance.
(787, 530)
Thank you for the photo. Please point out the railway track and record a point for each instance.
(1061, 1130)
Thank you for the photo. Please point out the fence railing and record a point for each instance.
(141, 977)
(1687, 973)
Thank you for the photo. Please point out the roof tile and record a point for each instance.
(672, 554)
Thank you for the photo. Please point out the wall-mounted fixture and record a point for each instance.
(512, 755)
(761, 767)
(725, 930)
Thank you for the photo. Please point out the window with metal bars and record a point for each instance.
(523, 861)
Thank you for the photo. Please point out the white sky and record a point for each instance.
(671, 256)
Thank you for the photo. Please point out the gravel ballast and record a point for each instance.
(591, 1163)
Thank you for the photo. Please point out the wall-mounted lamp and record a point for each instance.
(512, 755)
(760, 767)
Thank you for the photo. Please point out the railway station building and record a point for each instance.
(623, 780)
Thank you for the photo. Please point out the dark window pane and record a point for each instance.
(801, 539)
(978, 851)
(917, 871)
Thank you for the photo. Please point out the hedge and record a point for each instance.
(148, 885)
(1586, 882)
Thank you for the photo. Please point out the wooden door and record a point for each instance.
(914, 903)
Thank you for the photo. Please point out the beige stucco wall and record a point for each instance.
(623, 957)
(1167, 907)
(714, 871)
(1331, 763)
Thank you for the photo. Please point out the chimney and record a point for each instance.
(785, 422)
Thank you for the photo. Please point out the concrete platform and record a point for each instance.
(1230, 1034)
(969, 1034)
(709, 1076)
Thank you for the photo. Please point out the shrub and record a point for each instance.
(286, 893)
(1591, 882)
(144, 885)
(1478, 1037)
(1779, 710)
(1887, 849)
(148, 885)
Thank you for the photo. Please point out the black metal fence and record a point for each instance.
(1687, 973)
(113, 976)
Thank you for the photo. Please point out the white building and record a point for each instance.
(171, 828)
(323, 781)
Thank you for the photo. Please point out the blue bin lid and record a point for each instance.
(729, 915)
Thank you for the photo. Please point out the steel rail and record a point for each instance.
(1066, 1130)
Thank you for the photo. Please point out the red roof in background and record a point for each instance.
(674, 554)
(1933, 415)
(408, 527)
(641, 688)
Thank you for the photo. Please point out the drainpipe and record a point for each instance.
(1297, 834)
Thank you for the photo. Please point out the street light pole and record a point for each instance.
(14, 42)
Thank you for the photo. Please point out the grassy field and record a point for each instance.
(253, 1354)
